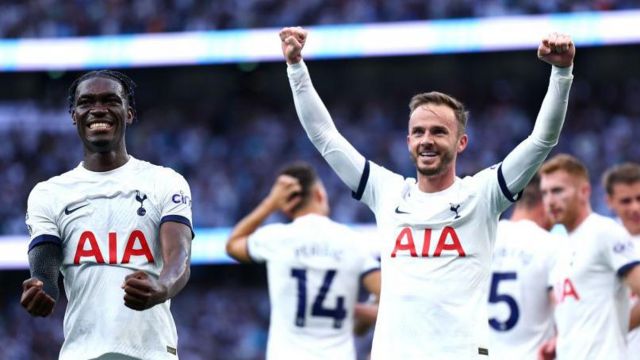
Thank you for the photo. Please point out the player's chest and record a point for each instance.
(435, 229)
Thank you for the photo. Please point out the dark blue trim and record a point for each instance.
(363, 182)
(43, 239)
(368, 272)
(505, 189)
(179, 219)
(624, 269)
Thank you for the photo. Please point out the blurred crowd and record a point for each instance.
(229, 147)
(51, 18)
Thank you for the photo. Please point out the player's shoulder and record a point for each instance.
(154, 172)
(53, 185)
(598, 223)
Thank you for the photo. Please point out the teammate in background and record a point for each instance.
(437, 230)
(314, 268)
(119, 230)
(593, 268)
(622, 184)
(520, 308)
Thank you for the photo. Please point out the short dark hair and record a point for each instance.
(438, 98)
(306, 176)
(627, 173)
(531, 195)
(128, 86)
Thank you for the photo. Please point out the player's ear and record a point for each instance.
(130, 115)
(462, 143)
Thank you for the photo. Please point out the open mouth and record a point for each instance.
(100, 125)
(429, 154)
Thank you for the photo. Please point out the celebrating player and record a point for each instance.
(314, 268)
(438, 230)
(622, 184)
(591, 271)
(117, 227)
(520, 308)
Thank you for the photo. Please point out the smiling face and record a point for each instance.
(624, 200)
(101, 114)
(434, 139)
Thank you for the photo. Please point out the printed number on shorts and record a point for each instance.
(337, 313)
(495, 297)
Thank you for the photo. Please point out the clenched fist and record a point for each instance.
(293, 39)
(557, 49)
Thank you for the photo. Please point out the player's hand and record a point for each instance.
(557, 49)
(142, 291)
(548, 350)
(292, 40)
(35, 300)
(285, 194)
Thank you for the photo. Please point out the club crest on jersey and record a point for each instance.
(181, 198)
(454, 208)
(141, 210)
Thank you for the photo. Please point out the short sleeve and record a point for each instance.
(622, 255)
(263, 244)
(175, 199)
(40, 219)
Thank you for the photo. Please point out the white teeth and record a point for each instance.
(100, 126)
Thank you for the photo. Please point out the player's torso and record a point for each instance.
(435, 255)
(590, 297)
(520, 313)
(313, 284)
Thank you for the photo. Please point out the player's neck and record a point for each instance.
(435, 183)
(105, 161)
(307, 210)
(583, 213)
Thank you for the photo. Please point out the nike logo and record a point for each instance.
(68, 211)
(398, 211)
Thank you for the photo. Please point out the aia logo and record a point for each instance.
(565, 289)
(88, 247)
(448, 240)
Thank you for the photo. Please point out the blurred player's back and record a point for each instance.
(314, 267)
(520, 310)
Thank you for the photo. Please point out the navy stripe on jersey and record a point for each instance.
(179, 219)
(363, 182)
(43, 239)
(624, 269)
(505, 189)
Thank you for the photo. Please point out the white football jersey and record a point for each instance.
(314, 267)
(108, 225)
(592, 302)
(520, 311)
(633, 338)
(436, 255)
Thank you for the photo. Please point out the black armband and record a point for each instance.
(45, 260)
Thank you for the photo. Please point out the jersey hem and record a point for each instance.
(179, 219)
(44, 239)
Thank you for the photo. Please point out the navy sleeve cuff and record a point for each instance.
(624, 269)
(505, 190)
(43, 239)
(179, 219)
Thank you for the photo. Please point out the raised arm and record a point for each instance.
(523, 162)
(282, 197)
(345, 160)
